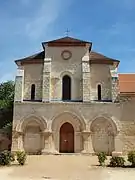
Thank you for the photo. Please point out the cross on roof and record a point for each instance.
(67, 32)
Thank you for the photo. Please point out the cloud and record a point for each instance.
(46, 16)
(24, 25)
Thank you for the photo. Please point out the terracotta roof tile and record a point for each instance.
(127, 83)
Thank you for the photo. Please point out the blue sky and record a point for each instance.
(24, 24)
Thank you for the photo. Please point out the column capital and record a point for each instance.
(86, 134)
(17, 133)
(46, 133)
(47, 59)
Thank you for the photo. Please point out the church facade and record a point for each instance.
(70, 99)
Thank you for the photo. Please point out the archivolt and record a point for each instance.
(31, 118)
(77, 121)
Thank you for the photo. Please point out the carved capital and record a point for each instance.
(86, 134)
(16, 134)
(46, 133)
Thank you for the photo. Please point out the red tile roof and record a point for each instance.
(127, 83)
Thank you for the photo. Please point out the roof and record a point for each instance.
(127, 83)
(66, 41)
(37, 56)
(97, 58)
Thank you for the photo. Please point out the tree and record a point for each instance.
(6, 108)
(6, 103)
(6, 94)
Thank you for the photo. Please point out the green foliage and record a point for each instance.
(117, 162)
(6, 107)
(6, 94)
(101, 158)
(21, 157)
(7, 91)
(7, 130)
(131, 158)
(6, 157)
(6, 116)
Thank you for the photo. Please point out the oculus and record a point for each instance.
(66, 54)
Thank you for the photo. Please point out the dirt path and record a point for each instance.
(64, 168)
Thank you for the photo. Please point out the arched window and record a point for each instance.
(99, 92)
(66, 88)
(33, 92)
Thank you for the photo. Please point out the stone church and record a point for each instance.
(70, 99)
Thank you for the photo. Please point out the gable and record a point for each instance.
(66, 41)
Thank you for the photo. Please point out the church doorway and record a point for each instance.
(67, 138)
(66, 88)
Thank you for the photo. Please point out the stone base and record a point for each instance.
(46, 152)
(116, 153)
(84, 152)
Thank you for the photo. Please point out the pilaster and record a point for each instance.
(19, 84)
(46, 90)
(115, 85)
(86, 78)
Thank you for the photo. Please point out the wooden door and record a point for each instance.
(66, 138)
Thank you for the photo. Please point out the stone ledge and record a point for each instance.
(116, 153)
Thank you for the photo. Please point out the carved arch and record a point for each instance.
(31, 118)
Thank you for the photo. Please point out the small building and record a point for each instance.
(70, 99)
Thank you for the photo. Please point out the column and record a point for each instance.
(88, 148)
(46, 90)
(19, 83)
(20, 141)
(118, 145)
(78, 142)
(17, 141)
(48, 143)
(86, 78)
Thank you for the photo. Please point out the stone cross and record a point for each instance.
(67, 32)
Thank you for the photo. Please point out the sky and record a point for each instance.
(25, 24)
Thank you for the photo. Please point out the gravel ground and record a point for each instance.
(65, 167)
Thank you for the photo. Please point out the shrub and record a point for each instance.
(117, 162)
(6, 157)
(21, 157)
(101, 158)
(131, 158)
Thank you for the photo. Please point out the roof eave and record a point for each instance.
(18, 62)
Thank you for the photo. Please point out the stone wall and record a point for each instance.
(100, 74)
(122, 115)
(33, 75)
(61, 67)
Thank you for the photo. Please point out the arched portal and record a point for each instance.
(66, 88)
(66, 138)
(103, 135)
(78, 124)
